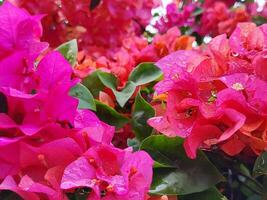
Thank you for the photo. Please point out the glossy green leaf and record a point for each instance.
(210, 194)
(259, 20)
(134, 143)
(125, 94)
(108, 79)
(264, 192)
(93, 83)
(142, 111)
(9, 195)
(164, 150)
(260, 166)
(183, 175)
(109, 115)
(79, 194)
(255, 197)
(145, 73)
(86, 99)
(69, 50)
(161, 165)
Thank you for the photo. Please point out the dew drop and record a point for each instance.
(234, 54)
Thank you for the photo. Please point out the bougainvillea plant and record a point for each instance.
(131, 100)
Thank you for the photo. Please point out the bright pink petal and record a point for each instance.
(53, 69)
(78, 174)
(97, 131)
(10, 184)
(197, 137)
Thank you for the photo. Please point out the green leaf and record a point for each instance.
(210, 194)
(93, 83)
(109, 115)
(259, 20)
(160, 165)
(145, 73)
(264, 192)
(9, 195)
(142, 111)
(197, 11)
(86, 99)
(255, 197)
(69, 50)
(123, 96)
(164, 150)
(134, 143)
(184, 176)
(79, 194)
(260, 166)
(108, 79)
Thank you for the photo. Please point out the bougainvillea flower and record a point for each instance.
(59, 152)
(114, 173)
(16, 72)
(175, 73)
(134, 51)
(9, 156)
(91, 130)
(28, 185)
(164, 44)
(209, 3)
(233, 146)
(242, 44)
(52, 82)
(35, 164)
(19, 31)
(25, 109)
(10, 184)
(218, 19)
(176, 17)
(70, 19)
(222, 88)
(198, 136)
(43, 134)
(52, 70)
(259, 64)
(257, 95)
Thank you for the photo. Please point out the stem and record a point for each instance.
(253, 190)
(252, 180)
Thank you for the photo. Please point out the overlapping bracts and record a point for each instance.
(212, 94)
(216, 96)
(48, 147)
(115, 20)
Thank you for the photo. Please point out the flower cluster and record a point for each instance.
(209, 18)
(255, 10)
(109, 108)
(133, 52)
(217, 18)
(176, 17)
(217, 96)
(49, 147)
(68, 19)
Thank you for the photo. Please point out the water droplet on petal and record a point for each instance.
(235, 54)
